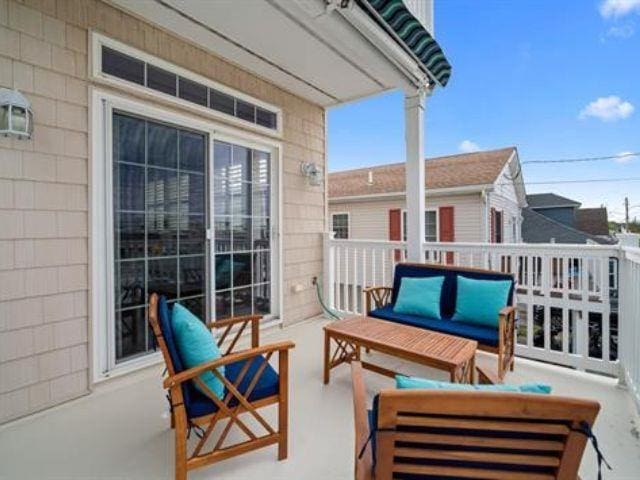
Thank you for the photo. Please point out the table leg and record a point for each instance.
(327, 353)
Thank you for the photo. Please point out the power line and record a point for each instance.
(585, 159)
(587, 180)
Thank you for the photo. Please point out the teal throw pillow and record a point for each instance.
(196, 346)
(419, 296)
(403, 382)
(480, 301)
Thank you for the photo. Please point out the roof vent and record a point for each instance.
(370, 177)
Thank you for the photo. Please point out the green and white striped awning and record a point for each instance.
(401, 23)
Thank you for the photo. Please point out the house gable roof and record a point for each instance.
(538, 228)
(550, 200)
(468, 169)
(593, 220)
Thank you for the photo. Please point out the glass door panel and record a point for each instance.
(241, 224)
(159, 222)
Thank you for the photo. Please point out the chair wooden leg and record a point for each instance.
(181, 446)
(283, 405)
(173, 419)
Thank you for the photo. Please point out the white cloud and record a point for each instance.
(619, 8)
(621, 31)
(624, 157)
(467, 146)
(607, 109)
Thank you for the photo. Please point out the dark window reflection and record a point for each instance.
(161, 80)
(192, 279)
(192, 91)
(245, 111)
(262, 266)
(192, 231)
(129, 187)
(222, 226)
(163, 146)
(128, 139)
(196, 306)
(242, 301)
(191, 193)
(163, 277)
(260, 233)
(122, 66)
(223, 304)
(241, 269)
(131, 332)
(129, 235)
(192, 151)
(266, 118)
(221, 159)
(162, 234)
(223, 272)
(241, 233)
(241, 165)
(221, 102)
(130, 291)
(262, 298)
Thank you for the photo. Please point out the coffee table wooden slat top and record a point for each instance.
(438, 350)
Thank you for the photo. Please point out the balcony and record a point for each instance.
(122, 430)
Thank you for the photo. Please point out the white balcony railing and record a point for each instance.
(570, 309)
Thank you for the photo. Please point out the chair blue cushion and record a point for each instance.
(196, 346)
(484, 335)
(403, 382)
(449, 287)
(267, 385)
(420, 296)
(480, 301)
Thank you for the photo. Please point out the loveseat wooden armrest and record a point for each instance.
(376, 297)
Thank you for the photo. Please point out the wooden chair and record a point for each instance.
(376, 299)
(490, 435)
(250, 384)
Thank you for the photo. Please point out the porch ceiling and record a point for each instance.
(297, 45)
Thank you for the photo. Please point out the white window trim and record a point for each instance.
(97, 40)
(348, 222)
(436, 210)
(101, 105)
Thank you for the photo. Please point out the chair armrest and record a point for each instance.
(361, 420)
(191, 373)
(378, 296)
(506, 319)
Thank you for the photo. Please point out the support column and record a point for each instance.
(415, 174)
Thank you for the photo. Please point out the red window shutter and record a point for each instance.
(447, 231)
(447, 226)
(395, 229)
(395, 224)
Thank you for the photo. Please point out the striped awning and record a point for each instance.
(408, 30)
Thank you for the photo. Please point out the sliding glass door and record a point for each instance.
(159, 215)
(192, 219)
(242, 219)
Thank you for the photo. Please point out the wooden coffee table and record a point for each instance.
(437, 350)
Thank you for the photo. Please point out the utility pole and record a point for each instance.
(626, 212)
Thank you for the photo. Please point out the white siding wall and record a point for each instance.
(370, 220)
(504, 199)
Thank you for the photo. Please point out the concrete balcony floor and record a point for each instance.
(121, 431)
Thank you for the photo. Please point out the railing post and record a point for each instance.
(328, 280)
(624, 285)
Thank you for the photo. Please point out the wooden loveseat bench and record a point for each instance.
(380, 301)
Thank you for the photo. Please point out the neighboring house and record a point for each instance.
(472, 197)
(552, 218)
(165, 157)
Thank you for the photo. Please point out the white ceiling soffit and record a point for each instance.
(292, 43)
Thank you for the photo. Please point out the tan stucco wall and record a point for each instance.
(44, 217)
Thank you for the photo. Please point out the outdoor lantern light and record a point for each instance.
(312, 173)
(16, 116)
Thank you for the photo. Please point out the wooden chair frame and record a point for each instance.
(226, 410)
(378, 297)
(552, 424)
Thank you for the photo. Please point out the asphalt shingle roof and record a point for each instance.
(542, 200)
(477, 168)
(538, 228)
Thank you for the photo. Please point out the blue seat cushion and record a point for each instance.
(483, 335)
(403, 382)
(268, 385)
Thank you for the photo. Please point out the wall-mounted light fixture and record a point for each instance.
(16, 116)
(312, 173)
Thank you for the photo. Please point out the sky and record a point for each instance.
(556, 79)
